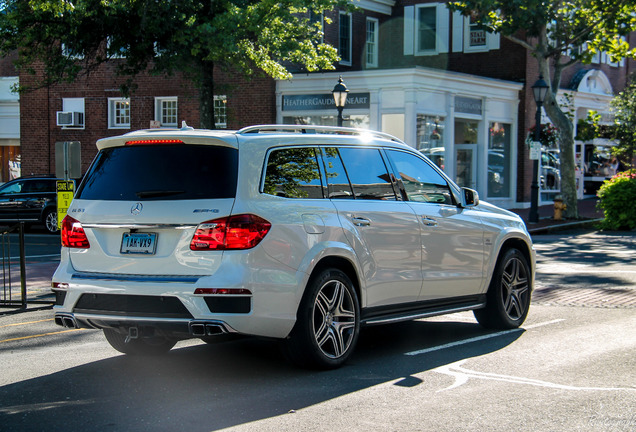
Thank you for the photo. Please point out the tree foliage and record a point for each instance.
(74, 37)
(559, 33)
(624, 108)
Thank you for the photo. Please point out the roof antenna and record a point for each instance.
(185, 127)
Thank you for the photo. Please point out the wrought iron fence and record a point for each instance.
(14, 292)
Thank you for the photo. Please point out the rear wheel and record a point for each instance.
(50, 221)
(328, 322)
(508, 298)
(141, 346)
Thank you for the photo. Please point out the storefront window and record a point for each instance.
(430, 138)
(499, 160)
(360, 121)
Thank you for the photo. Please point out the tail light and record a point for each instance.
(73, 235)
(233, 232)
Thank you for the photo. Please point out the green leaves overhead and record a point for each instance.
(166, 35)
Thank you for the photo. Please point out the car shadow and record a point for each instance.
(208, 387)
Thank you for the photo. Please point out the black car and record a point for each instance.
(30, 199)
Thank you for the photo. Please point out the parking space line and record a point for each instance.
(38, 335)
(26, 323)
(479, 338)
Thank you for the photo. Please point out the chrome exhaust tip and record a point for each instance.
(204, 328)
(66, 321)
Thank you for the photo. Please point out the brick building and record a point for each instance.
(9, 121)
(459, 94)
(413, 68)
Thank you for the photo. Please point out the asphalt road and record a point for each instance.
(570, 368)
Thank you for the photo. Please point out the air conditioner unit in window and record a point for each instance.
(70, 118)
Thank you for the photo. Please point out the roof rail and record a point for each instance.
(312, 129)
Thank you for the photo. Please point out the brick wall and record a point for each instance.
(249, 102)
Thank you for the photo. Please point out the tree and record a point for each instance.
(559, 33)
(71, 38)
(624, 108)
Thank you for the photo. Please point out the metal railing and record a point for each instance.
(10, 296)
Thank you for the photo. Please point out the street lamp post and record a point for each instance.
(539, 90)
(339, 93)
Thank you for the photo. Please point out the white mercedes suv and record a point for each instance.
(299, 233)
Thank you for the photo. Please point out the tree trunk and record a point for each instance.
(206, 98)
(568, 164)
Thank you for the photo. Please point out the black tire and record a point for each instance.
(141, 346)
(49, 220)
(509, 294)
(328, 323)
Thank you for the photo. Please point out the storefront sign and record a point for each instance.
(467, 105)
(323, 102)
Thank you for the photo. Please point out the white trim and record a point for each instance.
(111, 114)
(220, 124)
(159, 110)
(442, 29)
(381, 6)
(376, 38)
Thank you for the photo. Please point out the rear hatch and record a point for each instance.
(140, 204)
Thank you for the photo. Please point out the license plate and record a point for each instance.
(139, 243)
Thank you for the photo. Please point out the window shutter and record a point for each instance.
(458, 32)
(409, 30)
(443, 28)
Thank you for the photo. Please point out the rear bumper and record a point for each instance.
(167, 327)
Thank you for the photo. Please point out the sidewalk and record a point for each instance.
(589, 215)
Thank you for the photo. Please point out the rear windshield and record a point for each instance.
(161, 172)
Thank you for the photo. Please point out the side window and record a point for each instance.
(368, 173)
(421, 182)
(338, 185)
(293, 173)
(14, 188)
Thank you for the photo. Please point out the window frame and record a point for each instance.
(113, 122)
(160, 110)
(220, 112)
(346, 61)
(373, 45)
(418, 48)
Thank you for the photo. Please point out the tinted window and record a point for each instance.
(12, 188)
(35, 186)
(161, 172)
(337, 180)
(421, 182)
(293, 173)
(367, 173)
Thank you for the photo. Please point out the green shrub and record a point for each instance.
(618, 201)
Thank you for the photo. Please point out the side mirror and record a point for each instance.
(470, 197)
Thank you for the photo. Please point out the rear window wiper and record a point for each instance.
(157, 193)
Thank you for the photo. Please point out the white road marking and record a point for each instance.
(462, 375)
(479, 338)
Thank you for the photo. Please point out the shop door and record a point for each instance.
(466, 162)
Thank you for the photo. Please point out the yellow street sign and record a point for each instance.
(65, 192)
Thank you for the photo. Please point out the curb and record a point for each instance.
(564, 226)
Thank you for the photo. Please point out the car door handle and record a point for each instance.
(361, 222)
(427, 221)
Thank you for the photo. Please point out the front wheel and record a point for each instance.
(140, 346)
(328, 322)
(508, 298)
